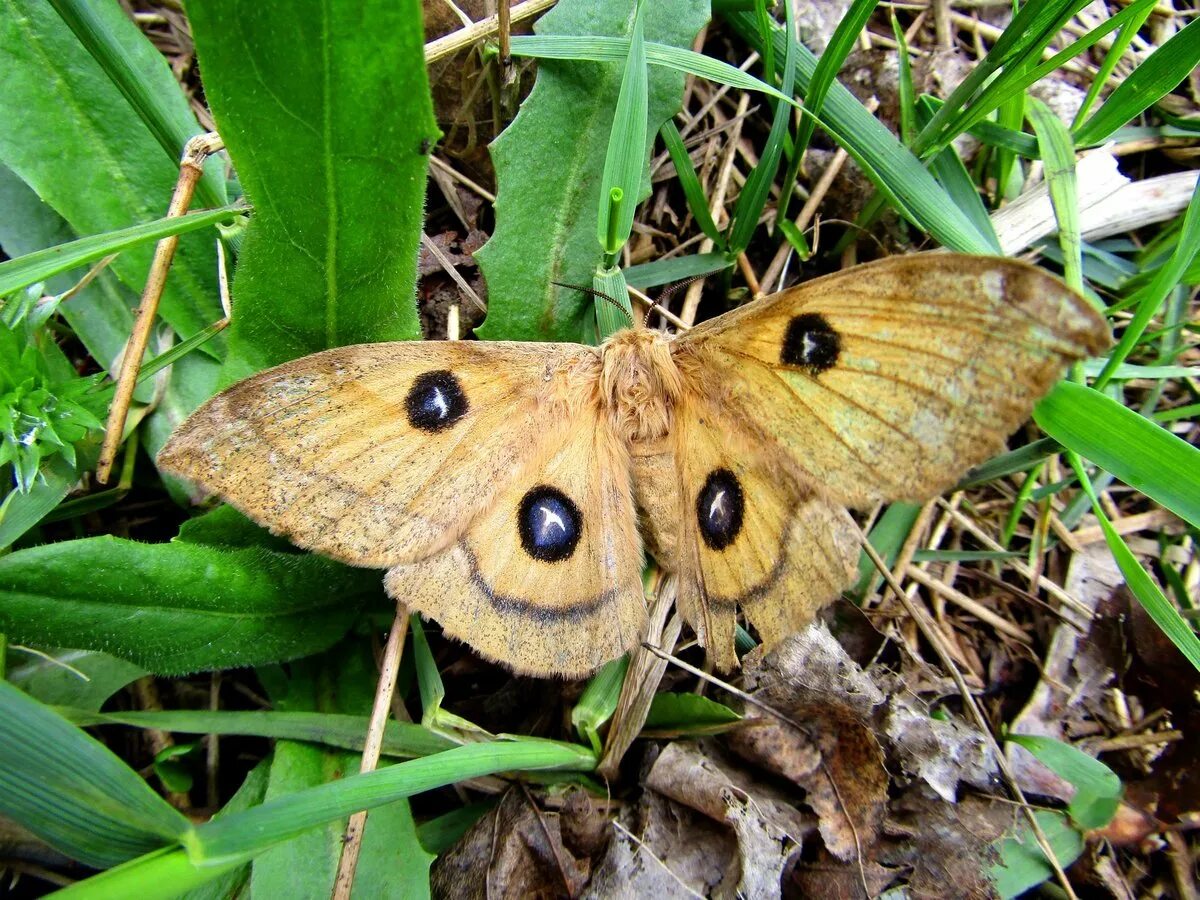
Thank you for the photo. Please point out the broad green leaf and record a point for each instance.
(1098, 790)
(440, 834)
(1165, 68)
(105, 170)
(393, 862)
(1023, 865)
(1139, 452)
(177, 608)
(83, 679)
(326, 114)
(71, 791)
(548, 163)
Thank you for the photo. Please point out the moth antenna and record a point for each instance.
(600, 295)
(670, 291)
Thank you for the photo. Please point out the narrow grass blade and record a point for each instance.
(1141, 11)
(242, 836)
(897, 173)
(676, 268)
(400, 739)
(625, 161)
(690, 182)
(677, 714)
(71, 791)
(1150, 298)
(606, 49)
(125, 55)
(1059, 156)
(1157, 606)
(1139, 452)
(599, 701)
(157, 876)
(840, 45)
(23, 271)
(887, 536)
(952, 175)
(752, 199)
(1161, 73)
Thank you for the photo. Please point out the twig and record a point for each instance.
(484, 28)
(191, 168)
(388, 670)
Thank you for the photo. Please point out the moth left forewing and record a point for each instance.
(755, 533)
(548, 578)
(889, 380)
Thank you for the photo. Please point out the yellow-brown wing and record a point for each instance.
(378, 454)
(889, 380)
(485, 476)
(755, 533)
(547, 579)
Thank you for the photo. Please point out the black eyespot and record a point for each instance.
(720, 506)
(549, 524)
(810, 343)
(435, 401)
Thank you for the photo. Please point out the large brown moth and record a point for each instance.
(507, 487)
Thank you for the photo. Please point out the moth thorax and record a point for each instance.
(640, 384)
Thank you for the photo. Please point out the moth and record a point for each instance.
(509, 489)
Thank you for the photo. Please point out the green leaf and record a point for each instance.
(625, 159)
(79, 678)
(106, 168)
(128, 59)
(1098, 790)
(598, 701)
(1159, 74)
(400, 739)
(325, 111)
(100, 314)
(177, 608)
(1139, 452)
(675, 268)
(547, 165)
(42, 264)
(71, 791)
(393, 862)
(690, 182)
(681, 714)
(231, 882)
(1023, 865)
(240, 837)
(1058, 153)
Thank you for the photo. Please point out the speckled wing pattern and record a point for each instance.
(883, 382)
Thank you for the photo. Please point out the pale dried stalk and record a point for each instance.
(191, 167)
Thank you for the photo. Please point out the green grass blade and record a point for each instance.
(1022, 864)
(126, 56)
(754, 194)
(897, 173)
(1140, 12)
(400, 739)
(243, 836)
(1150, 298)
(1157, 606)
(1142, 454)
(690, 182)
(887, 536)
(625, 161)
(1161, 73)
(1059, 156)
(605, 49)
(840, 45)
(40, 265)
(599, 700)
(675, 268)
(952, 175)
(71, 791)
(164, 874)
(1030, 30)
